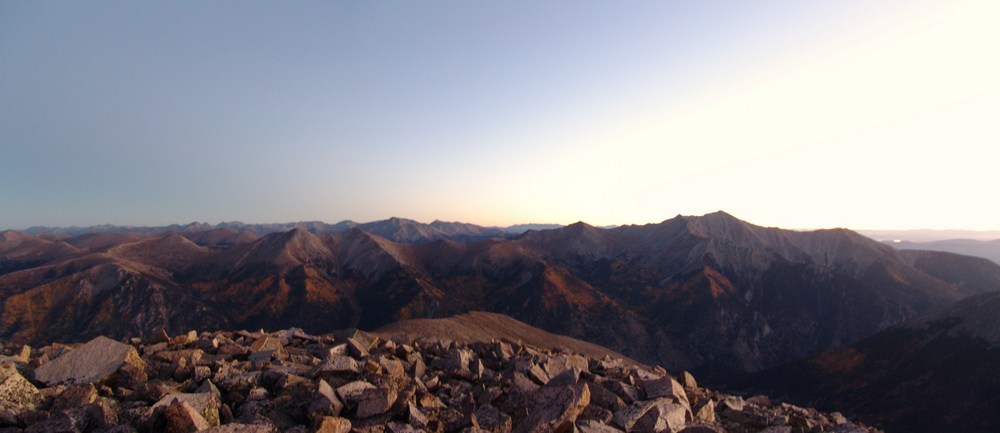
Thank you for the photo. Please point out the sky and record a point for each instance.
(797, 114)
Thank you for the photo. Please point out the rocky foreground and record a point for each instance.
(289, 381)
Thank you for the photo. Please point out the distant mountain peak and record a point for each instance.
(13, 235)
(398, 220)
(580, 225)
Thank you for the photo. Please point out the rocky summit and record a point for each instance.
(350, 381)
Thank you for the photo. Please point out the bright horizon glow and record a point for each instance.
(855, 114)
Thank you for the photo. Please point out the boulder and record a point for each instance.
(352, 391)
(189, 356)
(492, 420)
(415, 416)
(555, 409)
(356, 348)
(458, 362)
(325, 403)
(688, 381)
(180, 417)
(556, 364)
(732, 403)
(337, 364)
(205, 403)
(17, 395)
(267, 343)
(75, 396)
(602, 397)
(706, 412)
(628, 393)
(662, 414)
(24, 355)
(330, 424)
(370, 399)
(665, 386)
(96, 361)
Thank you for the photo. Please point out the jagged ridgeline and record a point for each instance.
(290, 381)
(713, 295)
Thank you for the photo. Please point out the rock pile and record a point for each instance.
(289, 381)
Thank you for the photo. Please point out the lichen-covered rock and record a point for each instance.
(17, 395)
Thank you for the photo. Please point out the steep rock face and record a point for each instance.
(936, 372)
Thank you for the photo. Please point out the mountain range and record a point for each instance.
(710, 292)
(397, 229)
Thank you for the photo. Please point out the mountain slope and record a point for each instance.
(970, 275)
(22, 251)
(742, 297)
(934, 373)
(479, 326)
(96, 295)
(987, 249)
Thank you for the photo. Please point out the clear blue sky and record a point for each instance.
(797, 114)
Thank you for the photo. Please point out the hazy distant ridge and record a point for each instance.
(398, 229)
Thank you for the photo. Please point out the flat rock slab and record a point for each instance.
(93, 362)
(337, 364)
